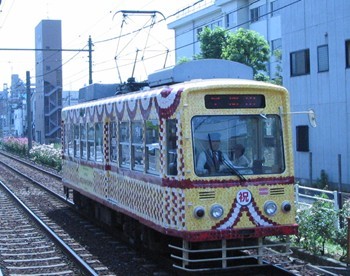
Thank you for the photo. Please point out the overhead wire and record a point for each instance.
(2, 24)
(73, 57)
(208, 22)
(152, 20)
(60, 66)
(177, 35)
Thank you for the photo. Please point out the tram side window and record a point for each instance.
(76, 141)
(83, 137)
(98, 142)
(69, 140)
(124, 145)
(91, 142)
(137, 146)
(113, 141)
(65, 139)
(171, 147)
(152, 147)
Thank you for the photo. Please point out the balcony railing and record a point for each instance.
(199, 5)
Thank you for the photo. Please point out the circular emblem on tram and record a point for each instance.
(244, 197)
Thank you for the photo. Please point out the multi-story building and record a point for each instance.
(17, 106)
(4, 119)
(262, 16)
(315, 42)
(13, 108)
(48, 95)
(316, 70)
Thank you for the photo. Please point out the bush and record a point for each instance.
(49, 155)
(14, 145)
(318, 228)
(322, 182)
(341, 237)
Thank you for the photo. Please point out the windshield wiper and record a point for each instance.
(233, 170)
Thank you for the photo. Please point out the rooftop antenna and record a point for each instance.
(133, 69)
(47, 9)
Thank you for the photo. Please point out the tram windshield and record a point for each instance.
(237, 145)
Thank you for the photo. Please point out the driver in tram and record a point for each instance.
(210, 161)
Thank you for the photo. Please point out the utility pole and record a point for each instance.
(29, 111)
(60, 50)
(90, 60)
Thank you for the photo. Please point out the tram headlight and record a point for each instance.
(216, 211)
(286, 206)
(270, 208)
(199, 212)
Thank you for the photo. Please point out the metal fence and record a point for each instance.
(306, 196)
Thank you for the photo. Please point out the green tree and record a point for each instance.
(183, 60)
(278, 75)
(212, 42)
(341, 237)
(247, 47)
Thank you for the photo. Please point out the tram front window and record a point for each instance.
(237, 145)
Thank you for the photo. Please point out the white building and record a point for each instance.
(19, 120)
(315, 39)
(262, 16)
(316, 63)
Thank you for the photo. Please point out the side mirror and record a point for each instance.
(312, 118)
(311, 114)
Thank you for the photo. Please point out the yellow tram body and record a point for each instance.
(133, 176)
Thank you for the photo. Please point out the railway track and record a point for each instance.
(121, 258)
(26, 248)
(97, 248)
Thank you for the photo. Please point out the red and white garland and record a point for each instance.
(249, 206)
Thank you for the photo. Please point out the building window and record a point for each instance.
(275, 6)
(257, 14)
(215, 24)
(302, 138)
(199, 30)
(300, 63)
(254, 15)
(229, 20)
(322, 58)
(347, 53)
(276, 44)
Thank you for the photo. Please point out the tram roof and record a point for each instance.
(200, 69)
(197, 84)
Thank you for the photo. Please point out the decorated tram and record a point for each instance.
(145, 162)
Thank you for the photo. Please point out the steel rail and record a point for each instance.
(86, 268)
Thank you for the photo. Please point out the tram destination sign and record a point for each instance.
(226, 101)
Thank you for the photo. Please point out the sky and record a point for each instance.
(116, 43)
